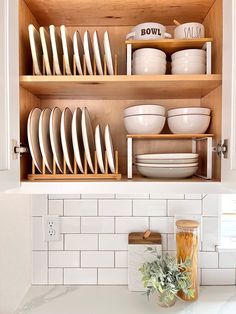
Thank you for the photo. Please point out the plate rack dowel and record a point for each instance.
(116, 64)
(33, 168)
(84, 65)
(106, 163)
(63, 66)
(94, 66)
(44, 168)
(64, 165)
(116, 162)
(54, 169)
(85, 165)
(74, 66)
(105, 65)
(75, 166)
(95, 162)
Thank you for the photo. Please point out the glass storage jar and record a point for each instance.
(187, 241)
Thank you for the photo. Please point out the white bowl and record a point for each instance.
(167, 161)
(169, 172)
(189, 30)
(148, 67)
(167, 158)
(189, 110)
(144, 124)
(191, 68)
(188, 53)
(185, 124)
(145, 109)
(149, 52)
(186, 60)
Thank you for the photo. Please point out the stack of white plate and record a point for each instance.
(192, 120)
(189, 61)
(167, 165)
(144, 119)
(57, 135)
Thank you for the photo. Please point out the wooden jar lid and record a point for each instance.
(146, 237)
(187, 224)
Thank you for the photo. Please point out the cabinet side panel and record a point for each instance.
(25, 18)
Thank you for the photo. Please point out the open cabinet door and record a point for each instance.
(9, 95)
(229, 94)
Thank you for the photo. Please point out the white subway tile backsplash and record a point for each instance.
(133, 196)
(184, 207)
(167, 196)
(113, 242)
(211, 205)
(80, 276)
(210, 233)
(112, 276)
(162, 224)
(193, 196)
(64, 196)
(80, 207)
(39, 268)
(64, 259)
(164, 241)
(38, 242)
(55, 207)
(171, 242)
(56, 245)
(149, 208)
(214, 277)
(97, 196)
(39, 205)
(121, 259)
(70, 224)
(131, 224)
(81, 242)
(97, 224)
(227, 259)
(97, 259)
(208, 259)
(55, 276)
(115, 208)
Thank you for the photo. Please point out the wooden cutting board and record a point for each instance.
(137, 255)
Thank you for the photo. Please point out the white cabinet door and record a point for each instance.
(229, 92)
(9, 93)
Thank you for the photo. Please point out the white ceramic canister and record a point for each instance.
(148, 31)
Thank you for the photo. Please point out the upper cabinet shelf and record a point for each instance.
(121, 86)
(170, 46)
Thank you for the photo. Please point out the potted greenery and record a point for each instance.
(164, 277)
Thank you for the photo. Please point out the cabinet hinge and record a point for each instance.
(222, 149)
(18, 150)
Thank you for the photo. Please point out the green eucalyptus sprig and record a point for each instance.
(166, 276)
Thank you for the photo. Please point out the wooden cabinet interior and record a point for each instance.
(118, 17)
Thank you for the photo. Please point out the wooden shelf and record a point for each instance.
(121, 86)
(170, 46)
(168, 136)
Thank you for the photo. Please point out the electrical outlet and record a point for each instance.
(51, 228)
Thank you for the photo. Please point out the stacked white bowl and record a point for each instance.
(192, 120)
(144, 119)
(167, 165)
(188, 61)
(148, 61)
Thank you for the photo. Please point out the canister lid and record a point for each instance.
(184, 223)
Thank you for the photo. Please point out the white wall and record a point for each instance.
(15, 250)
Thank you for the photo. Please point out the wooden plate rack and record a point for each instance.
(75, 176)
(75, 72)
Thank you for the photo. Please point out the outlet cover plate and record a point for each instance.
(51, 228)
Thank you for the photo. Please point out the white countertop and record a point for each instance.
(119, 300)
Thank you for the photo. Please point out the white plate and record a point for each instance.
(33, 138)
(98, 53)
(88, 51)
(66, 138)
(109, 149)
(44, 138)
(55, 137)
(77, 138)
(167, 156)
(167, 161)
(108, 54)
(88, 138)
(78, 52)
(67, 47)
(168, 173)
(36, 49)
(190, 110)
(167, 165)
(100, 149)
(56, 50)
(47, 50)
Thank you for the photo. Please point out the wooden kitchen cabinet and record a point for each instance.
(106, 96)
